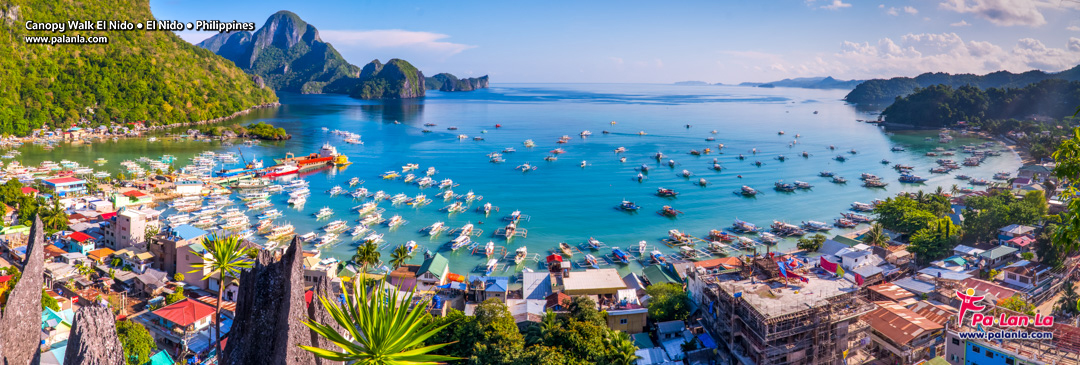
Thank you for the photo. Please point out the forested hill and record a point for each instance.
(942, 105)
(882, 91)
(139, 75)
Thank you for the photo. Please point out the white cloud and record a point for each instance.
(911, 10)
(1000, 12)
(394, 38)
(961, 23)
(1073, 28)
(881, 6)
(836, 5)
(892, 11)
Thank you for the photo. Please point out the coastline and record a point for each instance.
(215, 120)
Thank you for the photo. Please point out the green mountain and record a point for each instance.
(152, 76)
(449, 82)
(808, 83)
(878, 91)
(397, 79)
(286, 52)
(942, 105)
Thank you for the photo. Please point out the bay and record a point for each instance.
(568, 203)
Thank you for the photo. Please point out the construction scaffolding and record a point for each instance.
(758, 320)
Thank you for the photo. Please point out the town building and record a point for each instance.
(65, 186)
(170, 248)
(131, 198)
(759, 320)
(81, 243)
(129, 227)
(900, 335)
(601, 282)
(433, 272)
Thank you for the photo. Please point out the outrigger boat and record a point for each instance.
(856, 217)
(620, 256)
(845, 223)
(526, 167)
(565, 248)
(666, 193)
(815, 226)
(839, 180)
(669, 211)
(520, 254)
(657, 257)
(336, 226)
(594, 243)
(826, 174)
(721, 236)
(324, 212)
(591, 260)
(748, 191)
(769, 238)
(862, 207)
(489, 248)
(745, 227)
(628, 206)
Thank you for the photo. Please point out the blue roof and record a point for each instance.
(915, 286)
(944, 274)
(492, 283)
(187, 232)
(160, 358)
(707, 341)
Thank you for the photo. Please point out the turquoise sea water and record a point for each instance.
(568, 203)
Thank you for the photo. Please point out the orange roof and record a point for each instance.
(185, 312)
(899, 324)
(53, 251)
(727, 262)
(100, 254)
(983, 286)
(134, 194)
(938, 313)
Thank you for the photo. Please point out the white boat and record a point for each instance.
(520, 255)
(466, 230)
(435, 228)
(373, 237)
(308, 237)
(335, 226)
(324, 212)
(459, 242)
(395, 221)
(358, 230)
(489, 248)
(280, 232)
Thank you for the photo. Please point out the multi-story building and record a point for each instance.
(129, 227)
(171, 248)
(903, 335)
(758, 319)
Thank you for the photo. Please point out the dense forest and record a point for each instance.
(139, 75)
(882, 91)
(942, 105)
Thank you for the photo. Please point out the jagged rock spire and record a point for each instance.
(93, 339)
(323, 288)
(269, 310)
(20, 326)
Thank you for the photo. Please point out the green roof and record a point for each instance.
(643, 341)
(160, 358)
(998, 252)
(436, 265)
(657, 275)
(937, 361)
(845, 240)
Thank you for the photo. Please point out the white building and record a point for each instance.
(129, 228)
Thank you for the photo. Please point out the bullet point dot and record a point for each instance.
(190, 25)
(138, 25)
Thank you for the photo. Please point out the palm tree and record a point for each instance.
(920, 197)
(54, 217)
(624, 349)
(368, 255)
(399, 256)
(955, 189)
(378, 327)
(876, 236)
(940, 191)
(226, 258)
(539, 333)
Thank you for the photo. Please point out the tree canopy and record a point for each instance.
(137, 342)
(668, 302)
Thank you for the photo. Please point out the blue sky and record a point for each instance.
(663, 42)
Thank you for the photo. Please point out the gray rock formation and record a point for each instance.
(93, 339)
(269, 313)
(318, 313)
(449, 82)
(20, 326)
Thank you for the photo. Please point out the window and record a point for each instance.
(622, 321)
(955, 341)
(1009, 361)
(976, 349)
(990, 354)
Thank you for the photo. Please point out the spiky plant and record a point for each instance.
(378, 327)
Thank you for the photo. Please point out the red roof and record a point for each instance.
(63, 180)
(108, 215)
(5, 278)
(554, 257)
(134, 193)
(28, 190)
(185, 312)
(1022, 241)
(80, 237)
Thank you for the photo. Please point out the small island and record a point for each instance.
(259, 130)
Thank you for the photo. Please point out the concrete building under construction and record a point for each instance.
(761, 317)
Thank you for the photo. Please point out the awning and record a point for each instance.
(707, 340)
